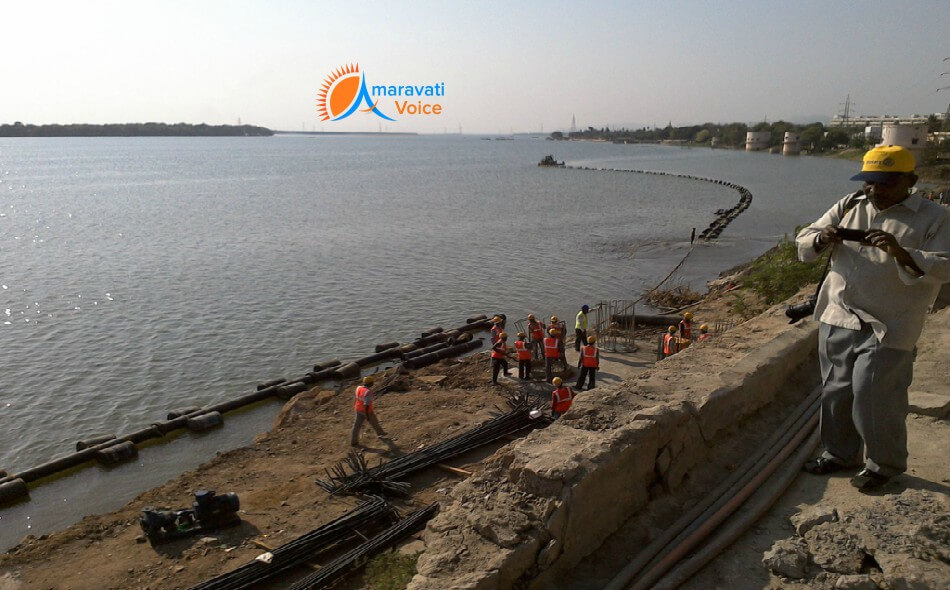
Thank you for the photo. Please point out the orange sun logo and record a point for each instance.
(338, 92)
(343, 91)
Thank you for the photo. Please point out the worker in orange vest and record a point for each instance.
(686, 326)
(536, 336)
(561, 397)
(364, 411)
(670, 343)
(496, 329)
(523, 351)
(590, 362)
(561, 332)
(703, 333)
(551, 352)
(499, 358)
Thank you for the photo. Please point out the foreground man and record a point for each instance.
(890, 254)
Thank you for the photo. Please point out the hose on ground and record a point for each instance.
(741, 474)
(684, 546)
(757, 508)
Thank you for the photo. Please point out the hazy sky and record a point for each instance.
(507, 66)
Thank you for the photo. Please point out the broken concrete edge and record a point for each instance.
(547, 501)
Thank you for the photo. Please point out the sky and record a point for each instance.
(507, 66)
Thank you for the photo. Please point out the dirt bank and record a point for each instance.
(275, 476)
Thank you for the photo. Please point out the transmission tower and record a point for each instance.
(573, 124)
(846, 113)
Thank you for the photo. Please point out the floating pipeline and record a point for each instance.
(426, 350)
(724, 216)
(432, 331)
(110, 449)
(325, 365)
(270, 383)
(424, 360)
(386, 346)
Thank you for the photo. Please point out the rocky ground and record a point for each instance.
(904, 530)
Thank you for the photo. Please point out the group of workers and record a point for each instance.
(539, 342)
(546, 342)
(679, 337)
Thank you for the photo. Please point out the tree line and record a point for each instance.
(19, 129)
(815, 137)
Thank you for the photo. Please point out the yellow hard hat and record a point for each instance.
(672, 329)
(688, 315)
(553, 318)
(496, 320)
(531, 316)
(556, 381)
(552, 331)
(367, 380)
(591, 339)
(503, 335)
(521, 334)
(704, 328)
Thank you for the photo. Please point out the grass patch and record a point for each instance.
(390, 571)
(777, 274)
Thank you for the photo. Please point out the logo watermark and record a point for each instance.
(346, 91)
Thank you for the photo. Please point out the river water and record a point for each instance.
(139, 275)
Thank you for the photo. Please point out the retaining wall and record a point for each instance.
(549, 500)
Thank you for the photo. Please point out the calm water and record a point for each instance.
(144, 274)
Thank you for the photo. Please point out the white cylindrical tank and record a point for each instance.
(912, 137)
(792, 144)
(757, 140)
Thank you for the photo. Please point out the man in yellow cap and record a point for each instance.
(890, 253)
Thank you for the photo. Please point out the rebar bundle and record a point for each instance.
(332, 571)
(353, 475)
(374, 513)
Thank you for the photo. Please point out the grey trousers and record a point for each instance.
(864, 399)
(358, 424)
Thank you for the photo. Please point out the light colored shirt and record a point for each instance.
(866, 283)
(581, 322)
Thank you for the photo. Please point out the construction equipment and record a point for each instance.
(209, 512)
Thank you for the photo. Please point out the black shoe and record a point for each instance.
(823, 466)
(867, 480)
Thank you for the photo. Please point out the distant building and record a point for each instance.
(757, 140)
(873, 133)
(881, 120)
(792, 145)
(912, 137)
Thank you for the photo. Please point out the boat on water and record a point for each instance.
(550, 161)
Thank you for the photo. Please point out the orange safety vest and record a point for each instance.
(669, 344)
(551, 350)
(561, 399)
(496, 333)
(686, 329)
(364, 399)
(557, 330)
(589, 357)
(497, 353)
(524, 353)
(703, 337)
(537, 330)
